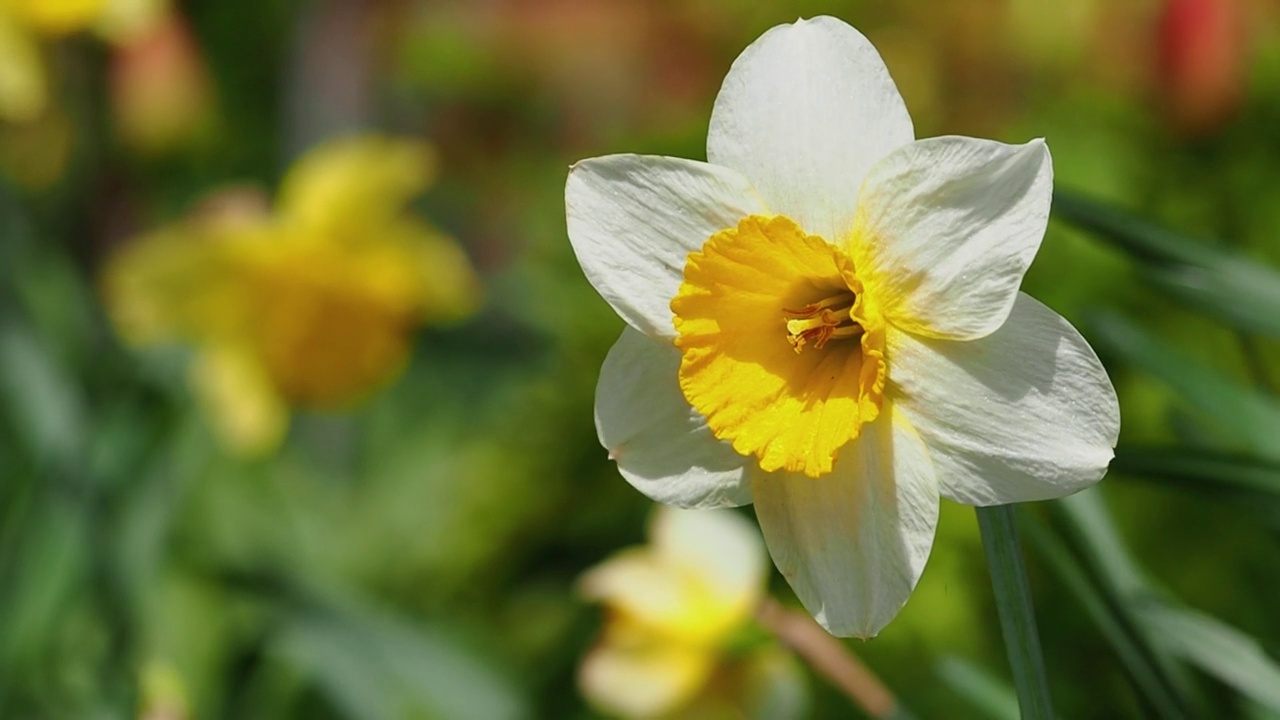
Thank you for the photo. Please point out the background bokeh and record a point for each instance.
(416, 556)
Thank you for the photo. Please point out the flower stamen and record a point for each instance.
(822, 321)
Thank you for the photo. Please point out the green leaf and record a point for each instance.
(1203, 470)
(1241, 417)
(987, 693)
(1149, 675)
(51, 576)
(371, 664)
(45, 404)
(1123, 585)
(1241, 292)
(1218, 649)
(1017, 618)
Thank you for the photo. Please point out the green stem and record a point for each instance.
(1013, 602)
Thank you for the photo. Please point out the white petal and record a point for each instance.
(853, 543)
(721, 547)
(1026, 413)
(651, 591)
(699, 579)
(947, 228)
(634, 219)
(642, 680)
(662, 445)
(804, 113)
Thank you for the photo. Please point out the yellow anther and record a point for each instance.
(819, 322)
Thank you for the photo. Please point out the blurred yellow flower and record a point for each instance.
(678, 610)
(313, 306)
(23, 85)
(55, 17)
(24, 91)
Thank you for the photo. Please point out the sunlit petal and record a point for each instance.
(723, 549)
(853, 543)
(642, 681)
(175, 284)
(341, 189)
(1026, 413)
(634, 219)
(946, 229)
(662, 446)
(804, 113)
(247, 413)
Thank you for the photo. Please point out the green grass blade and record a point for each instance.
(1243, 418)
(44, 402)
(1220, 650)
(1241, 292)
(1017, 618)
(1122, 583)
(372, 664)
(984, 691)
(1139, 660)
(1203, 470)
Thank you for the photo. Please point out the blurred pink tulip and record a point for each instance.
(1202, 63)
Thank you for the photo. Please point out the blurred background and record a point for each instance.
(410, 546)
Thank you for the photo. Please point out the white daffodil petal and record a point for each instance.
(634, 219)
(720, 547)
(662, 446)
(641, 681)
(1026, 413)
(650, 590)
(804, 113)
(853, 543)
(946, 229)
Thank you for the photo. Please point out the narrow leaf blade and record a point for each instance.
(1235, 289)
(1243, 418)
(1220, 650)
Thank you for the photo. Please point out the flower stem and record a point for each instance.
(830, 658)
(1013, 602)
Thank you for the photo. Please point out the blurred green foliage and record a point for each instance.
(416, 557)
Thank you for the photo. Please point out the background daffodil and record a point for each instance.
(24, 82)
(311, 306)
(825, 321)
(418, 553)
(678, 635)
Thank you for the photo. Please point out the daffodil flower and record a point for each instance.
(824, 320)
(313, 306)
(24, 92)
(676, 608)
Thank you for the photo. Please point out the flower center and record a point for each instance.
(821, 321)
(756, 387)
